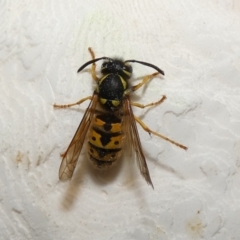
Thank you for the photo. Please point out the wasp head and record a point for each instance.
(117, 67)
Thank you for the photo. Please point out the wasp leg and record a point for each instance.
(144, 126)
(144, 81)
(73, 104)
(150, 104)
(93, 70)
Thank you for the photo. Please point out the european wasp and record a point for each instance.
(109, 120)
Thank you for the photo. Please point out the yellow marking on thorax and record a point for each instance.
(103, 100)
(127, 73)
(124, 83)
(115, 103)
(102, 79)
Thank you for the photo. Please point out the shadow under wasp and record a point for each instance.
(109, 120)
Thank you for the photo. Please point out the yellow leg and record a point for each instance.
(93, 70)
(73, 104)
(144, 81)
(158, 134)
(150, 104)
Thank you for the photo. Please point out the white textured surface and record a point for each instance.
(197, 193)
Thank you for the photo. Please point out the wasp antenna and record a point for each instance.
(90, 62)
(147, 64)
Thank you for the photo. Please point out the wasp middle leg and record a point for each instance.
(73, 104)
(149, 104)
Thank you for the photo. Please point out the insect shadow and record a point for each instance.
(99, 177)
(74, 186)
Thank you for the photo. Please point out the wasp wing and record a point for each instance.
(70, 157)
(134, 140)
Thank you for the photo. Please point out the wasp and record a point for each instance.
(109, 121)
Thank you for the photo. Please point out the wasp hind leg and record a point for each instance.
(145, 127)
(93, 70)
(73, 104)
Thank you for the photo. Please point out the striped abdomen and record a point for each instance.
(105, 140)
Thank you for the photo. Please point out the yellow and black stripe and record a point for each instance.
(105, 140)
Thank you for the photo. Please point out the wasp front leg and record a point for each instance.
(93, 70)
(145, 80)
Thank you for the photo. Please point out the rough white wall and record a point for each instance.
(197, 193)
